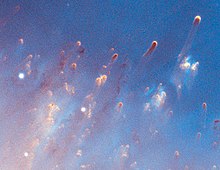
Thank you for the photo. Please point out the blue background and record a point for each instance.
(130, 27)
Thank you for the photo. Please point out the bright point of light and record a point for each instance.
(21, 75)
(26, 154)
(83, 109)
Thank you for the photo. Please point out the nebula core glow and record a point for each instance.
(122, 85)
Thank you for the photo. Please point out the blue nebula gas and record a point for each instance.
(123, 85)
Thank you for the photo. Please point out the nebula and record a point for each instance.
(92, 86)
